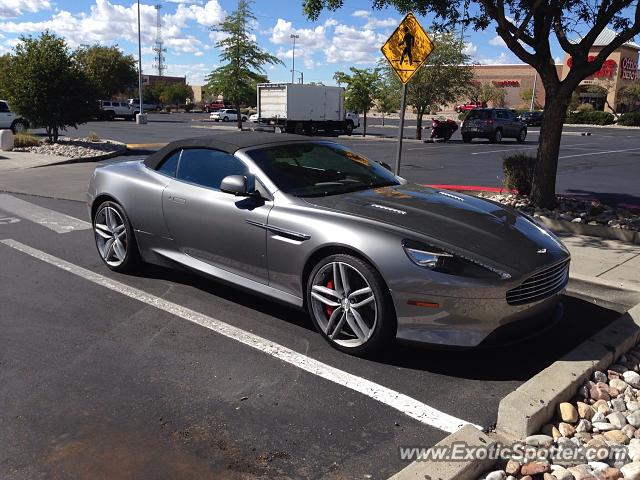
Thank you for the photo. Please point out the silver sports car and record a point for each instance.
(313, 224)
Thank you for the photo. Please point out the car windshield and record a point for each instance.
(479, 114)
(320, 169)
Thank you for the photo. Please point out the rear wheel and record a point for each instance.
(467, 138)
(114, 238)
(225, 119)
(522, 136)
(348, 128)
(350, 305)
(19, 126)
(497, 136)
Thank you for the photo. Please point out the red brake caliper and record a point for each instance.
(330, 309)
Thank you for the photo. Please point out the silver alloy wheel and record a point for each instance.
(344, 304)
(111, 236)
(498, 136)
(523, 135)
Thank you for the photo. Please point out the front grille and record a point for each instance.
(541, 285)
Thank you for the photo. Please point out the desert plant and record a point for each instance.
(22, 140)
(93, 137)
(585, 107)
(518, 170)
(595, 117)
(631, 119)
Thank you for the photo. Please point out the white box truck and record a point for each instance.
(299, 108)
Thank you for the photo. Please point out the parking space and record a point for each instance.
(169, 373)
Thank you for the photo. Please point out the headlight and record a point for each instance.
(442, 261)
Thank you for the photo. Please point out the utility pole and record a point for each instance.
(293, 58)
(140, 119)
(159, 48)
(533, 93)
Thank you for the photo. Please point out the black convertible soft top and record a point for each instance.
(226, 142)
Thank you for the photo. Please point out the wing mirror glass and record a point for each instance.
(241, 185)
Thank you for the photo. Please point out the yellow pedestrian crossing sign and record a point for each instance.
(407, 48)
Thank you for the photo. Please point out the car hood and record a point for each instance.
(469, 225)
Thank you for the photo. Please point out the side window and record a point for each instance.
(207, 168)
(4, 107)
(501, 115)
(106, 104)
(170, 164)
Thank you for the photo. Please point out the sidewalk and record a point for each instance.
(21, 160)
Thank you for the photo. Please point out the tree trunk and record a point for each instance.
(544, 181)
(49, 134)
(419, 115)
(383, 119)
(55, 134)
(238, 115)
(364, 127)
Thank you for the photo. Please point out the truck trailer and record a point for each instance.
(299, 108)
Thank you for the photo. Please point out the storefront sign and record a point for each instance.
(506, 83)
(606, 71)
(629, 69)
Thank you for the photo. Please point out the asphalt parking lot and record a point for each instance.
(104, 375)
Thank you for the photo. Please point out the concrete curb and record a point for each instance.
(380, 138)
(98, 158)
(447, 470)
(606, 293)
(524, 411)
(563, 226)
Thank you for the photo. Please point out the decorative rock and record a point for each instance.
(618, 405)
(512, 467)
(634, 449)
(568, 412)
(632, 378)
(618, 384)
(611, 474)
(603, 426)
(629, 431)
(581, 472)
(611, 374)
(548, 476)
(616, 367)
(617, 419)
(598, 466)
(586, 411)
(583, 425)
(552, 431)
(599, 376)
(539, 440)
(616, 436)
(598, 417)
(497, 475)
(562, 473)
(631, 471)
(632, 405)
(526, 477)
(534, 468)
(567, 430)
(598, 392)
(584, 437)
(634, 418)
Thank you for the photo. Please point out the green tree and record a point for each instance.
(388, 100)
(47, 87)
(527, 95)
(363, 88)
(107, 68)
(529, 29)
(443, 78)
(630, 94)
(4, 80)
(243, 60)
(487, 93)
(176, 94)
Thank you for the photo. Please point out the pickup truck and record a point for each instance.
(8, 119)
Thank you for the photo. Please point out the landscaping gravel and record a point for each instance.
(74, 148)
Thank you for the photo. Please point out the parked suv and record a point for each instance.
(134, 103)
(532, 119)
(494, 124)
(110, 109)
(8, 119)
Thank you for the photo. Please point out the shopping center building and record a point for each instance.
(619, 70)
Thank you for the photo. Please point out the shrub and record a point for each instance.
(518, 172)
(188, 107)
(585, 107)
(93, 137)
(22, 140)
(595, 117)
(631, 119)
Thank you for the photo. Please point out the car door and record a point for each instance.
(211, 225)
(6, 116)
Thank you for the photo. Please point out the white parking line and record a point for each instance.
(56, 221)
(599, 153)
(403, 403)
(510, 149)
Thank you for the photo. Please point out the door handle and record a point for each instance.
(175, 199)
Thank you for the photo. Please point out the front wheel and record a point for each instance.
(497, 137)
(466, 138)
(114, 238)
(19, 126)
(522, 136)
(225, 119)
(348, 128)
(350, 305)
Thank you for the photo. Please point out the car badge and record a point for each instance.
(542, 250)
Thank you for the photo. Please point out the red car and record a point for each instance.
(465, 107)
(213, 106)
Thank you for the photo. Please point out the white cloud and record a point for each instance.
(361, 13)
(373, 22)
(354, 45)
(497, 41)
(470, 49)
(15, 8)
(500, 59)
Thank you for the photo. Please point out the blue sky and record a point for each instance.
(337, 40)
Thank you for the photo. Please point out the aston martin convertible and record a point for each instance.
(314, 224)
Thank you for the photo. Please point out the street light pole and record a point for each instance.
(139, 61)
(293, 57)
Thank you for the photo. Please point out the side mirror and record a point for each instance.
(241, 185)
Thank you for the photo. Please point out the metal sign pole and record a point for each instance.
(403, 106)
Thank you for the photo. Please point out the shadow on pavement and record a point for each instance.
(608, 198)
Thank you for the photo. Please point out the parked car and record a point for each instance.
(253, 118)
(532, 119)
(316, 225)
(111, 109)
(10, 120)
(465, 107)
(213, 106)
(494, 124)
(226, 115)
(134, 103)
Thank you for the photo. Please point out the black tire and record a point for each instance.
(132, 258)
(348, 128)
(522, 136)
(497, 136)
(383, 331)
(467, 138)
(225, 119)
(111, 116)
(312, 129)
(19, 126)
(244, 119)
